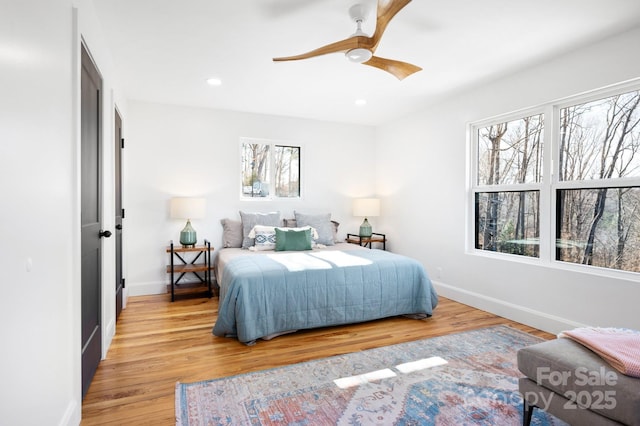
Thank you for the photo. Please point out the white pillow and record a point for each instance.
(265, 238)
(261, 228)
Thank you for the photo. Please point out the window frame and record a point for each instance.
(273, 143)
(475, 187)
(548, 186)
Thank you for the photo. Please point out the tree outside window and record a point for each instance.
(593, 189)
(269, 170)
(509, 155)
(599, 225)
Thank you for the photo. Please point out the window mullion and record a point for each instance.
(472, 182)
(272, 170)
(549, 178)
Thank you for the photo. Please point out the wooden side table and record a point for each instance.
(368, 241)
(199, 265)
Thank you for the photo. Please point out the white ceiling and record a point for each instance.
(164, 50)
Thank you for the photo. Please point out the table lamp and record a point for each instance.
(188, 208)
(366, 207)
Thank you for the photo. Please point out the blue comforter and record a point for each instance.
(262, 295)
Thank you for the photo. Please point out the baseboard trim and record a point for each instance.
(149, 288)
(125, 297)
(540, 320)
(110, 332)
(145, 289)
(72, 415)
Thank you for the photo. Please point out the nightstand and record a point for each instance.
(190, 260)
(368, 241)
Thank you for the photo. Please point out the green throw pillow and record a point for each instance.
(293, 240)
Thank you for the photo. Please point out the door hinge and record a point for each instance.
(123, 280)
(121, 142)
(123, 213)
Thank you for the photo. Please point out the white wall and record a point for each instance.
(36, 174)
(40, 214)
(426, 200)
(181, 151)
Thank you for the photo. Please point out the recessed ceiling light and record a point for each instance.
(361, 102)
(214, 81)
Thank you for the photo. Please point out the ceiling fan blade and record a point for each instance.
(386, 11)
(399, 69)
(339, 46)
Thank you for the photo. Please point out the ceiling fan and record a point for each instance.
(360, 47)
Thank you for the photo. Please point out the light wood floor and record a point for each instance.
(159, 343)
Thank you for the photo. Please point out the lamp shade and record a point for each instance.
(187, 208)
(366, 207)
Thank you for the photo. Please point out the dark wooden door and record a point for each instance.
(119, 146)
(91, 87)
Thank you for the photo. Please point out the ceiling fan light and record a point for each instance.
(359, 55)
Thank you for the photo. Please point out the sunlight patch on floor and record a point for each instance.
(405, 368)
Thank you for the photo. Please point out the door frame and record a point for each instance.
(79, 27)
(107, 217)
(74, 306)
(119, 233)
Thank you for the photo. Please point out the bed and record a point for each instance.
(265, 294)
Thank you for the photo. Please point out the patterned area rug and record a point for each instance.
(467, 378)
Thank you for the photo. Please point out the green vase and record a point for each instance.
(188, 235)
(365, 228)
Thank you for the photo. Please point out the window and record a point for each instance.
(599, 227)
(598, 212)
(507, 222)
(507, 197)
(269, 170)
(591, 215)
